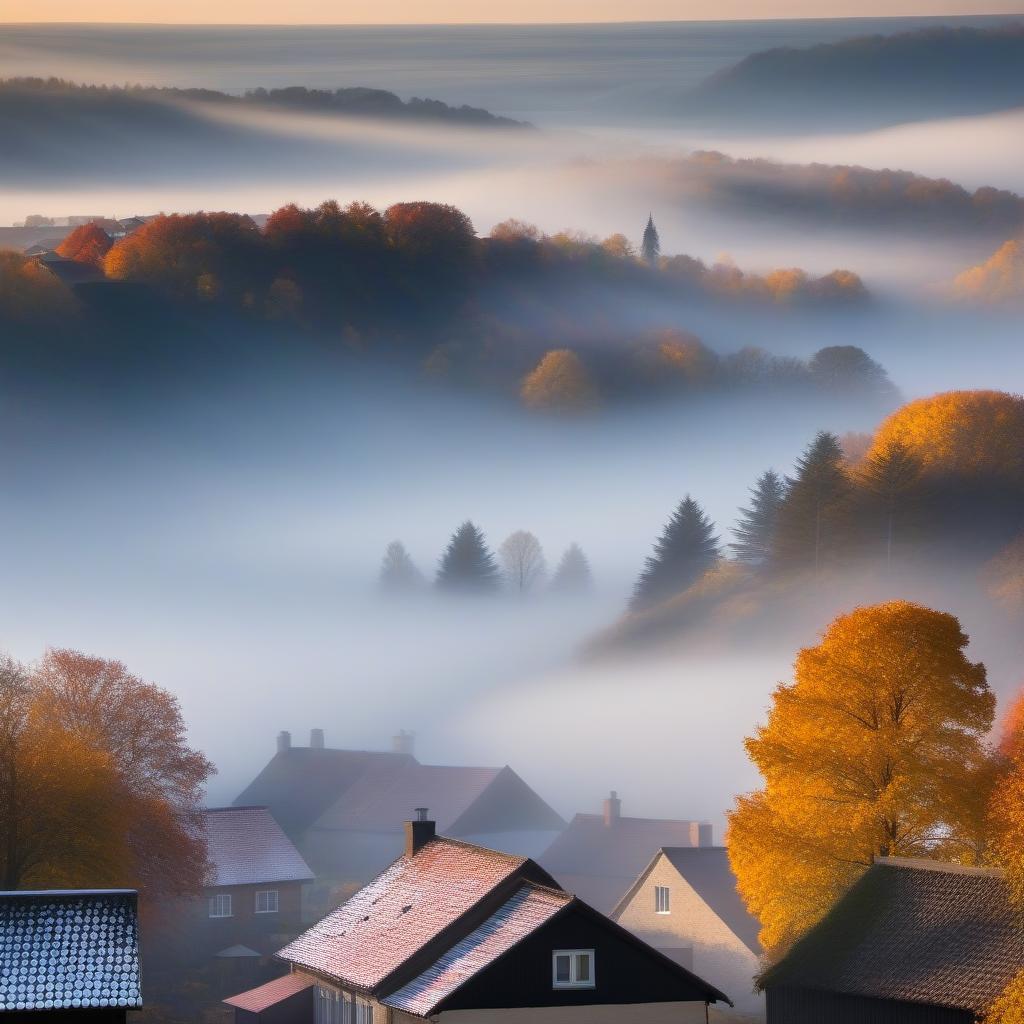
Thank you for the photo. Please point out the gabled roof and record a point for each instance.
(64, 950)
(261, 998)
(246, 846)
(916, 931)
(403, 909)
(707, 870)
(599, 862)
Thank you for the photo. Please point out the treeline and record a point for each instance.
(469, 567)
(999, 281)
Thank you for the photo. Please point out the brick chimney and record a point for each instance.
(612, 808)
(316, 739)
(418, 832)
(404, 742)
(284, 741)
(700, 834)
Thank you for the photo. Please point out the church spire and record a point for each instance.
(650, 247)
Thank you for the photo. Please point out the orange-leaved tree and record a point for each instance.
(88, 243)
(876, 748)
(559, 383)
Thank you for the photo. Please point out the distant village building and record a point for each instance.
(912, 942)
(69, 956)
(343, 808)
(686, 905)
(599, 856)
(459, 934)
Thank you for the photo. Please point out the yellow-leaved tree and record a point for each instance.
(559, 383)
(877, 748)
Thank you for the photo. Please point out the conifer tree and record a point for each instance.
(398, 572)
(814, 516)
(650, 247)
(890, 476)
(755, 531)
(467, 565)
(573, 574)
(686, 549)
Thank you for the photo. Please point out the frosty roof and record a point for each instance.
(247, 847)
(68, 950)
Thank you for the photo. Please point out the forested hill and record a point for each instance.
(870, 81)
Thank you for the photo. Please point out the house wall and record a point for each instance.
(633, 1013)
(806, 1006)
(718, 956)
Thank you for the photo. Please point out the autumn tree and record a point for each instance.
(572, 575)
(522, 559)
(1006, 807)
(559, 383)
(467, 564)
(398, 572)
(997, 281)
(872, 750)
(29, 292)
(686, 549)
(755, 530)
(88, 243)
(1008, 1007)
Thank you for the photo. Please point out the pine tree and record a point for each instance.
(755, 531)
(814, 517)
(650, 247)
(890, 476)
(686, 549)
(573, 574)
(398, 572)
(467, 565)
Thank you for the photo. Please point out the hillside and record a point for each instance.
(869, 82)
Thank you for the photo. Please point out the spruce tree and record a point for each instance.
(755, 531)
(398, 573)
(650, 247)
(467, 565)
(573, 574)
(813, 520)
(890, 478)
(686, 549)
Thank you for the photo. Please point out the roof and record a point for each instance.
(261, 998)
(915, 931)
(68, 950)
(599, 862)
(402, 909)
(246, 846)
(525, 911)
(709, 874)
(238, 952)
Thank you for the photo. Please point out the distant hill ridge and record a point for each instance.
(871, 80)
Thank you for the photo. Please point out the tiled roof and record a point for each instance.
(246, 846)
(914, 931)
(529, 908)
(69, 950)
(599, 862)
(261, 998)
(401, 910)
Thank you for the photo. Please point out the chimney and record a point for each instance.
(418, 832)
(316, 739)
(404, 742)
(284, 741)
(612, 808)
(700, 834)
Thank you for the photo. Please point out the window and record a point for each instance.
(572, 968)
(266, 902)
(661, 900)
(332, 1006)
(220, 905)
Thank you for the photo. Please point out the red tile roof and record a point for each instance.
(246, 846)
(256, 1000)
(406, 906)
(529, 908)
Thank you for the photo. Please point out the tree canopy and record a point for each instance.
(559, 383)
(755, 530)
(572, 575)
(467, 565)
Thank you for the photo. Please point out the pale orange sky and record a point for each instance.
(379, 12)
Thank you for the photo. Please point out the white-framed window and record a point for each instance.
(662, 904)
(332, 1006)
(266, 901)
(572, 968)
(220, 905)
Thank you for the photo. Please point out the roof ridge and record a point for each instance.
(944, 866)
(4, 893)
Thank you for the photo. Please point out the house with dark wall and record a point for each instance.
(600, 855)
(911, 942)
(685, 903)
(460, 934)
(69, 956)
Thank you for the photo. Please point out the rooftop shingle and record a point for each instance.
(258, 999)
(246, 846)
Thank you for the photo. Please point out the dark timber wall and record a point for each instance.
(807, 1006)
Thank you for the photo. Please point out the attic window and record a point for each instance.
(662, 904)
(572, 968)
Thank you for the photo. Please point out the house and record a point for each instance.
(600, 855)
(69, 955)
(343, 808)
(911, 942)
(685, 903)
(69, 272)
(461, 934)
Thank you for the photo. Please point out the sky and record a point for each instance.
(379, 12)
